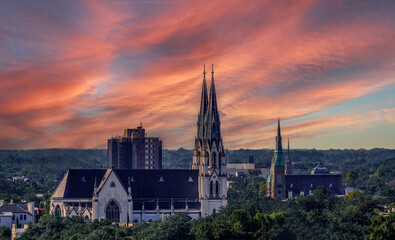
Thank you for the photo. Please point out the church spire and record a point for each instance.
(278, 157)
(203, 107)
(279, 147)
(213, 122)
(289, 156)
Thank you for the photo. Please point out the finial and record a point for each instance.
(212, 68)
(278, 127)
(204, 70)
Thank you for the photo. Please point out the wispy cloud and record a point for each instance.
(74, 73)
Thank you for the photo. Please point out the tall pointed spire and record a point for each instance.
(279, 147)
(278, 157)
(213, 122)
(203, 107)
(288, 155)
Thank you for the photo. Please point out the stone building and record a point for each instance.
(283, 184)
(135, 195)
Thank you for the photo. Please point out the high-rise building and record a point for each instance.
(126, 196)
(135, 150)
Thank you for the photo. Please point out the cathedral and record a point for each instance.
(136, 195)
(283, 184)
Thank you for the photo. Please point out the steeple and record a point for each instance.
(212, 118)
(288, 165)
(278, 157)
(203, 107)
(279, 147)
(288, 155)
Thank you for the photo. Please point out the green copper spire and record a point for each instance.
(278, 156)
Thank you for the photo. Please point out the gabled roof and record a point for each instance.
(14, 208)
(79, 183)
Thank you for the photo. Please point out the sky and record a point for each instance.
(75, 73)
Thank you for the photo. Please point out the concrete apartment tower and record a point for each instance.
(209, 152)
(134, 150)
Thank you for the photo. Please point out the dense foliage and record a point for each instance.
(249, 215)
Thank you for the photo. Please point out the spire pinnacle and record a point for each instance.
(278, 128)
(203, 107)
(279, 147)
(213, 122)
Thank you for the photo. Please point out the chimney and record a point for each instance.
(30, 208)
(12, 201)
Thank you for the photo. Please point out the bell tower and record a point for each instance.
(209, 153)
(276, 178)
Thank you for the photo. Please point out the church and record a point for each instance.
(133, 196)
(283, 184)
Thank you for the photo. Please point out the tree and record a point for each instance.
(383, 228)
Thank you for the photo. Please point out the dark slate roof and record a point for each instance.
(148, 184)
(79, 183)
(304, 183)
(320, 169)
(14, 208)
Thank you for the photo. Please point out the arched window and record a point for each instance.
(214, 160)
(112, 211)
(58, 212)
(112, 184)
(211, 188)
(217, 188)
(279, 179)
(86, 218)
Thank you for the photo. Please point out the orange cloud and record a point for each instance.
(72, 74)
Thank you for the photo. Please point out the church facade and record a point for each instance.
(283, 184)
(132, 196)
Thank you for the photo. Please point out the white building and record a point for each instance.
(19, 214)
(148, 195)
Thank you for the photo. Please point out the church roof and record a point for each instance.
(320, 169)
(167, 183)
(304, 183)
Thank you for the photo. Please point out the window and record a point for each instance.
(302, 194)
(214, 159)
(211, 188)
(310, 192)
(24, 217)
(112, 184)
(290, 194)
(112, 211)
(279, 179)
(57, 210)
(217, 188)
(21, 216)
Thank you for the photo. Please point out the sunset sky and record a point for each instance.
(75, 73)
